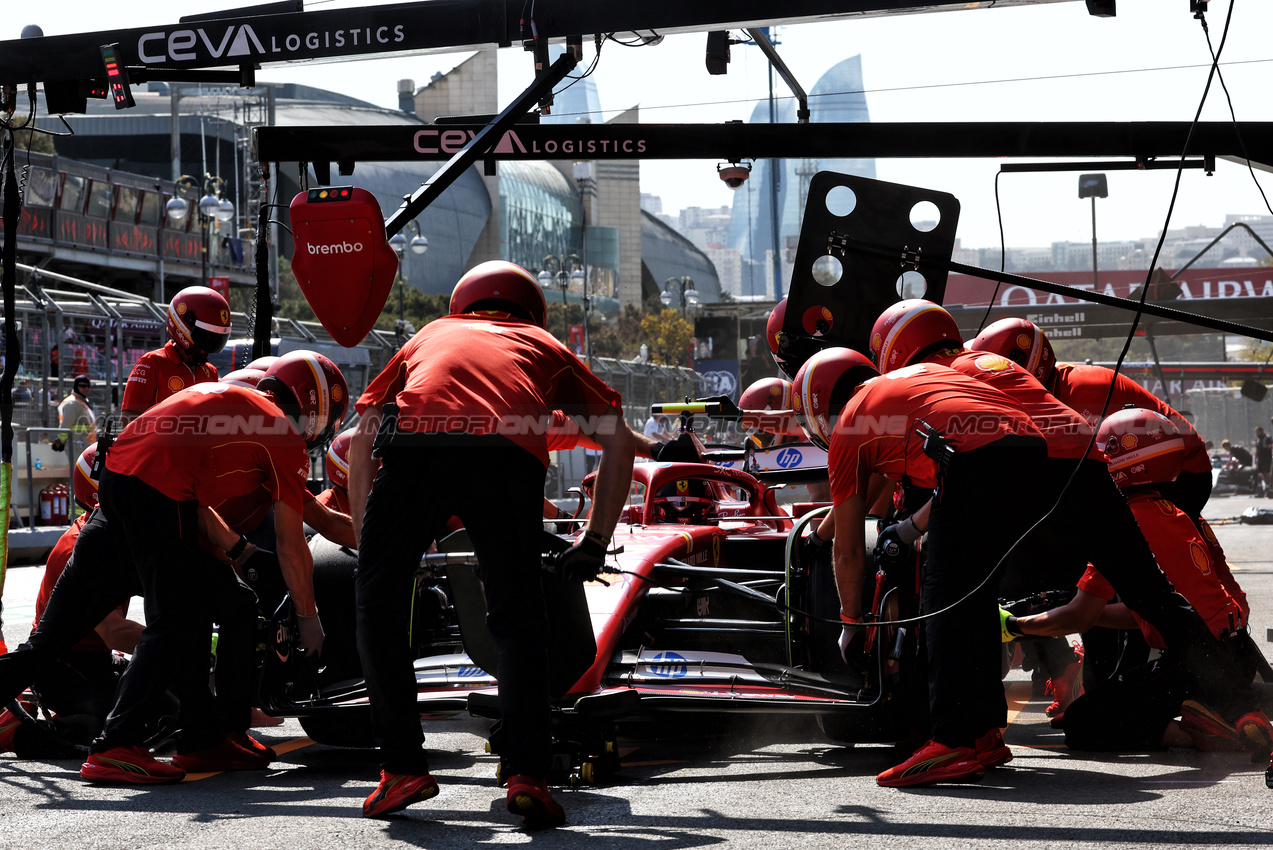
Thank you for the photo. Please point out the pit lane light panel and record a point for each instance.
(117, 77)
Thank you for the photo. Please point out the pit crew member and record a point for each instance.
(1136, 710)
(474, 392)
(1084, 387)
(163, 466)
(198, 326)
(934, 428)
(79, 687)
(1076, 488)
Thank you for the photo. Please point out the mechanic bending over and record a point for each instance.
(1137, 710)
(1083, 388)
(198, 326)
(143, 540)
(911, 426)
(914, 331)
(472, 392)
(79, 687)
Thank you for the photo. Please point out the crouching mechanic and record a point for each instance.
(474, 392)
(930, 427)
(79, 687)
(1136, 710)
(198, 448)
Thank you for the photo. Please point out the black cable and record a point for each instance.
(1003, 257)
(1233, 116)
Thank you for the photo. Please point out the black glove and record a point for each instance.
(895, 542)
(680, 450)
(582, 561)
(812, 546)
(57, 445)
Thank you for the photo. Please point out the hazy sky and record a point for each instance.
(1039, 63)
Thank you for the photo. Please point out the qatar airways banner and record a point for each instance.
(1248, 282)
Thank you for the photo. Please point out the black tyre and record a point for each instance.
(352, 729)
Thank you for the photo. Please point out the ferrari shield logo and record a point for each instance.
(682, 487)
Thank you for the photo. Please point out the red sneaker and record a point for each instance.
(396, 791)
(226, 755)
(9, 724)
(529, 798)
(1067, 687)
(991, 750)
(1210, 732)
(934, 763)
(252, 745)
(129, 766)
(1255, 733)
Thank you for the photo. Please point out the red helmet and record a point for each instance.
(506, 287)
(1021, 342)
(1141, 446)
(244, 378)
(909, 331)
(768, 394)
(311, 391)
(262, 363)
(773, 328)
(823, 386)
(199, 321)
(83, 484)
(338, 459)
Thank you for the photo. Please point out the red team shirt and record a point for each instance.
(57, 563)
(876, 429)
(475, 392)
(1068, 434)
(214, 443)
(159, 374)
(1083, 388)
(1185, 558)
(336, 498)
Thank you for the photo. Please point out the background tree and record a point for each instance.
(667, 333)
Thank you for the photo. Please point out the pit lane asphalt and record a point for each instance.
(780, 787)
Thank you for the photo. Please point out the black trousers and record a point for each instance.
(179, 582)
(1093, 523)
(1132, 711)
(497, 489)
(975, 517)
(97, 579)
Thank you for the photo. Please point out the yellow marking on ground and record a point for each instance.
(1018, 694)
(280, 749)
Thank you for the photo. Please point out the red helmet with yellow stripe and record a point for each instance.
(338, 459)
(1022, 342)
(823, 386)
(83, 485)
(311, 391)
(909, 331)
(199, 321)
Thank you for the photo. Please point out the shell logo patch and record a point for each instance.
(1200, 558)
(1023, 341)
(1128, 441)
(181, 308)
(993, 363)
(175, 383)
(876, 342)
(682, 487)
(337, 393)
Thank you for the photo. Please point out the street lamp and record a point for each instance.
(568, 271)
(210, 206)
(689, 295)
(418, 245)
(1093, 186)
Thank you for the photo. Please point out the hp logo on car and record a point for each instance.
(469, 672)
(787, 458)
(669, 665)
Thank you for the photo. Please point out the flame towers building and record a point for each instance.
(837, 97)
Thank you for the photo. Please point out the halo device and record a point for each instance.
(343, 261)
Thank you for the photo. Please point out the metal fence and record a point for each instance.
(643, 384)
(1225, 414)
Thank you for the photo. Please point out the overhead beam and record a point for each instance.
(1136, 140)
(435, 26)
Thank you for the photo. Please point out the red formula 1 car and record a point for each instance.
(708, 611)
